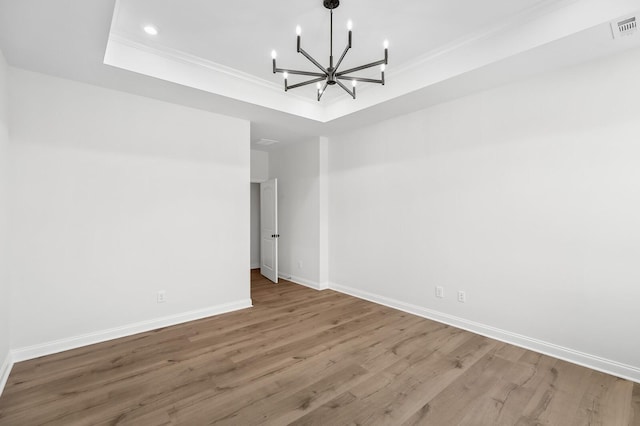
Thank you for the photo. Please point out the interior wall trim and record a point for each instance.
(56, 346)
(170, 54)
(594, 362)
(122, 52)
(303, 281)
(5, 370)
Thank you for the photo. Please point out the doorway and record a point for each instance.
(264, 228)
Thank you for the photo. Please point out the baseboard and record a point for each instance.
(49, 348)
(5, 370)
(570, 355)
(302, 281)
(255, 266)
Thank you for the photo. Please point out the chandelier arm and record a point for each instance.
(321, 92)
(313, 61)
(361, 79)
(346, 49)
(304, 83)
(297, 72)
(361, 67)
(330, 75)
(353, 94)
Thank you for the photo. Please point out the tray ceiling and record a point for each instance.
(224, 47)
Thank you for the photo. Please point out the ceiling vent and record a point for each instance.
(266, 142)
(625, 27)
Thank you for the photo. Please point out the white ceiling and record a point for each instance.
(216, 55)
(241, 35)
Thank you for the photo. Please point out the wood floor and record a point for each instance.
(312, 358)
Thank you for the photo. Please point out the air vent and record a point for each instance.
(266, 142)
(625, 27)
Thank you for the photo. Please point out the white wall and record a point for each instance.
(5, 287)
(297, 168)
(527, 197)
(116, 197)
(255, 225)
(259, 166)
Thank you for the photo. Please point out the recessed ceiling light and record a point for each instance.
(151, 30)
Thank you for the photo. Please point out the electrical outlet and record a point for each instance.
(440, 292)
(162, 296)
(462, 296)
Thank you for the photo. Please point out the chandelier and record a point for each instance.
(331, 75)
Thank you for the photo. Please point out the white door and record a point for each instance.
(269, 229)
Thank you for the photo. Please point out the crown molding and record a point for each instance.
(516, 20)
(543, 23)
(534, 12)
(193, 71)
(187, 58)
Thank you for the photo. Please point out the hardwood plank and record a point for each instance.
(509, 352)
(559, 397)
(607, 399)
(389, 395)
(462, 396)
(635, 410)
(300, 356)
(292, 379)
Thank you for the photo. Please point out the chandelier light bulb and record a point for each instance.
(383, 67)
(386, 44)
(285, 75)
(349, 24)
(298, 30)
(354, 83)
(273, 54)
(318, 86)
